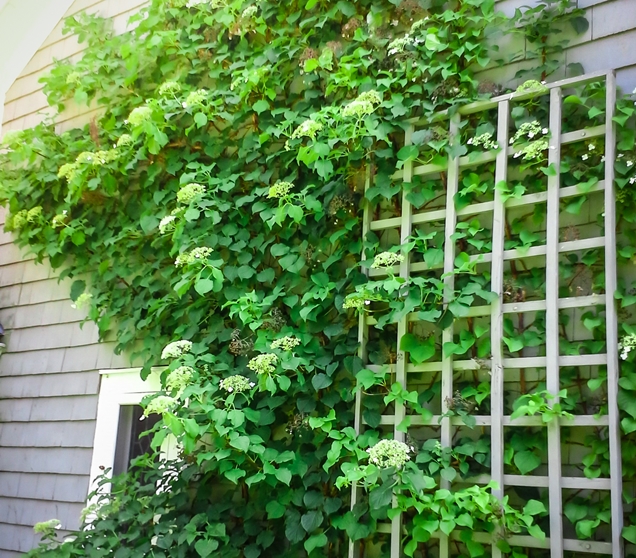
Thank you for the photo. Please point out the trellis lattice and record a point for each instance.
(501, 368)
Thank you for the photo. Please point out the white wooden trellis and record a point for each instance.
(555, 482)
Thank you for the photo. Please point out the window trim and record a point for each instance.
(122, 386)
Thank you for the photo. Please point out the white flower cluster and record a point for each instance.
(356, 301)
(398, 46)
(280, 189)
(483, 140)
(386, 260)
(87, 158)
(196, 98)
(124, 140)
(45, 527)
(626, 345)
(19, 219)
(179, 378)
(82, 301)
(159, 405)
(236, 384)
(286, 343)
(167, 224)
(140, 115)
(169, 88)
(529, 130)
(176, 349)
(59, 220)
(190, 192)
(249, 12)
(263, 364)
(34, 214)
(363, 105)
(390, 453)
(309, 128)
(532, 151)
(195, 255)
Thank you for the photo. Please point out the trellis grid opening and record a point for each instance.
(543, 253)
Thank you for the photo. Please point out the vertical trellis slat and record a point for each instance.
(496, 311)
(354, 549)
(400, 365)
(552, 323)
(611, 321)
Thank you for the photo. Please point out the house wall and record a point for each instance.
(48, 377)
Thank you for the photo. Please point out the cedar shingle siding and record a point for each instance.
(48, 377)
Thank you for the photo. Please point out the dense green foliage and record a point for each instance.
(218, 198)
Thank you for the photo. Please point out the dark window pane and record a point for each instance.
(129, 444)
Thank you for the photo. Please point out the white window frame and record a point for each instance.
(118, 387)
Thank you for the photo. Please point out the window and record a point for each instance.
(118, 426)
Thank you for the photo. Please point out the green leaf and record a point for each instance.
(380, 497)
(200, 119)
(321, 381)
(203, 286)
(526, 461)
(408, 152)
(241, 442)
(205, 547)
(311, 520)
(316, 541)
(514, 344)
(283, 475)
(534, 507)
(260, 106)
(77, 288)
(629, 533)
(274, 509)
(419, 349)
(235, 475)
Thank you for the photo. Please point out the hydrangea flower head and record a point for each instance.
(483, 140)
(190, 192)
(196, 98)
(82, 301)
(249, 12)
(286, 343)
(357, 301)
(236, 384)
(389, 453)
(167, 223)
(124, 140)
(59, 220)
(46, 527)
(626, 345)
(34, 214)
(169, 88)
(68, 171)
(140, 115)
(196, 255)
(159, 405)
(179, 378)
(357, 109)
(309, 128)
(263, 364)
(280, 189)
(528, 131)
(386, 260)
(176, 349)
(19, 219)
